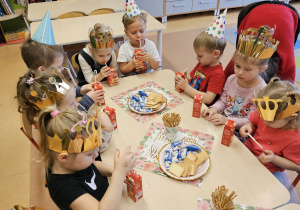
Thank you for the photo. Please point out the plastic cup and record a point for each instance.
(171, 133)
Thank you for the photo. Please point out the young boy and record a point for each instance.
(207, 78)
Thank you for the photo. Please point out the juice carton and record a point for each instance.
(98, 86)
(112, 115)
(197, 105)
(228, 133)
(179, 90)
(111, 78)
(134, 185)
(138, 57)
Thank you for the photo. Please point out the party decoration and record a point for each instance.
(131, 9)
(217, 28)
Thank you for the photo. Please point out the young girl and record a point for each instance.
(97, 55)
(135, 28)
(276, 128)
(75, 180)
(34, 94)
(235, 102)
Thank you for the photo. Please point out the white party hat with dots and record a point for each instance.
(131, 9)
(217, 28)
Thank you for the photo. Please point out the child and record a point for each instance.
(276, 128)
(135, 28)
(33, 97)
(75, 180)
(207, 78)
(97, 55)
(235, 102)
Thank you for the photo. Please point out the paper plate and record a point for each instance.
(140, 112)
(202, 169)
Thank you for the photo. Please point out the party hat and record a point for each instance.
(44, 33)
(217, 28)
(131, 9)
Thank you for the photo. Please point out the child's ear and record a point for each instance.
(293, 116)
(62, 157)
(125, 32)
(41, 68)
(217, 54)
(262, 69)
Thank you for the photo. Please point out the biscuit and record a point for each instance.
(191, 156)
(151, 97)
(201, 157)
(176, 169)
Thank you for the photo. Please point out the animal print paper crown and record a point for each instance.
(102, 40)
(276, 109)
(79, 144)
(50, 97)
(257, 43)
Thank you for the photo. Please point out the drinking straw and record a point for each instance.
(96, 75)
(254, 140)
(140, 43)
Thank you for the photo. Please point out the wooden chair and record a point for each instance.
(71, 15)
(27, 130)
(74, 64)
(295, 182)
(102, 11)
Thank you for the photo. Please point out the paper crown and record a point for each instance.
(276, 109)
(102, 40)
(79, 143)
(50, 97)
(131, 9)
(217, 28)
(44, 33)
(257, 43)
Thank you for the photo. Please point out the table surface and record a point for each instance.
(291, 206)
(75, 30)
(37, 11)
(234, 166)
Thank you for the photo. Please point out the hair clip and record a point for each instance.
(84, 120)
(54, 113)
(30, 81)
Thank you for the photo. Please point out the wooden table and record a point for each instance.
(75, 30)
(291, 206)
(234, 166)
(37, 11)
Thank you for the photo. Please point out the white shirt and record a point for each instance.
(126, 52)
(86, 68)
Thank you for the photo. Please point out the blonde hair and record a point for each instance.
(278, 89)
(26, 100)
(129, 20)
(99, 28)
(210, 43)
(36, 54)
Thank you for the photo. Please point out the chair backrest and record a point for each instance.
(27, 130)
(102, 11)
(71, 15)
(74, 63)
(295, 182)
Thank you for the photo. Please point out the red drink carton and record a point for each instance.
(98, 86)
(179, 90)
(228, 133)
(134, 185)
(111, 78)
(197, 105)
(112, 115)
(138, 57)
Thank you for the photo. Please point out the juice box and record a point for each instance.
(228, 133)
(98, 86)
(197, 105)
(112, 115)
(179, 90)
(111, 78)
(138, 57)
(134, 185)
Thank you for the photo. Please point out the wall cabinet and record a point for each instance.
(154, 7)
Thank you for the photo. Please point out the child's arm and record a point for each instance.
(207, 97)
(105, 169)
(105, 122)
(249, 127)
(154, 64)
(127, 67)
(268, 156)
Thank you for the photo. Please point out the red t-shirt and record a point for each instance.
(284, 143)
(285, 21)
(209, 78)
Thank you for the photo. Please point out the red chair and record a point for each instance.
(295, 182)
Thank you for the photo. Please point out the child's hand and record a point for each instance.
(207, 113)
(245, 129)
(145, 56)
(96, 95)
(104, 72)
(86, 88)
(126, 162)
(180, 82)
(218, 119)
(136, 63)
(266, 156)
